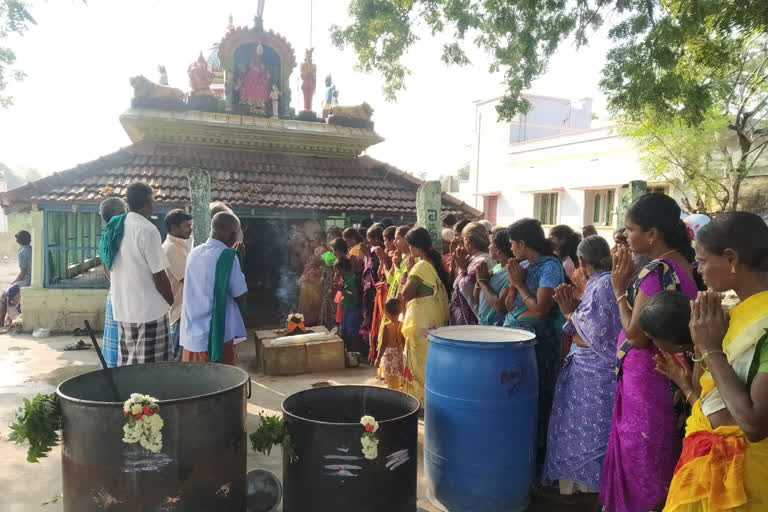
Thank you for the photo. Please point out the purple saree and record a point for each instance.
(581, 413)
(645, 441)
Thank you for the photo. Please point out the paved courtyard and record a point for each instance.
(29, 366)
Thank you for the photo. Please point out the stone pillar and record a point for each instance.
(629, 193)
(200, 198)
(428, 208)
(38, 247)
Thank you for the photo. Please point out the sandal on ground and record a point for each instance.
(80, 345)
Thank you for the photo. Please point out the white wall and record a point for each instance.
(574, 164)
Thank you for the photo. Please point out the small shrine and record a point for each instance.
(233, 134)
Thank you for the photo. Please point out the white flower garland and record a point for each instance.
(143, 423)
(297, 316)
(369, 441)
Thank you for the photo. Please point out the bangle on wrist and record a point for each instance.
(621, 298)
(688, 396)
(704, 356)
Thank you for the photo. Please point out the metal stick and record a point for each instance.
(95, 344)
(107, 375)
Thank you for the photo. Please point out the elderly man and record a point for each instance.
(110, 344)
(141, 292)
(214, 286)
(176, 249)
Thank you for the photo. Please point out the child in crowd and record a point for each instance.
(665, 319)
(392, 344)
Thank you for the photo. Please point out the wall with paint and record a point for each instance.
(62, 309)
(574, 166)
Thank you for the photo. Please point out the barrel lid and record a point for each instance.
(264, 491)
(482, 336)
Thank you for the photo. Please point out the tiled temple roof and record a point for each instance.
(243, 179)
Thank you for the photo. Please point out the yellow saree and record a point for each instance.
(393, 280)
(719, 470)
(421, 315)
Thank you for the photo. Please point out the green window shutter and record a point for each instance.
(596, 209)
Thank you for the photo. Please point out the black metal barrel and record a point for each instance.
(331, 473)
(202, 464)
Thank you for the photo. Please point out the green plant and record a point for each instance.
(38, 422)
(271, 432)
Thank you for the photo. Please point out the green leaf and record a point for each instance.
(37, 423)
(271, 432)
(669, 57)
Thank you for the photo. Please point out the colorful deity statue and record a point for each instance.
(308, 79)
(275, 97)
(200, 77)
(330, 91)
(255, 84)
(163, 75)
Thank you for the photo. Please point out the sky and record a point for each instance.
(79, 58)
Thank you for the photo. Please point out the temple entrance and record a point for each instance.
(275, 253)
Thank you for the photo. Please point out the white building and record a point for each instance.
(574, 176)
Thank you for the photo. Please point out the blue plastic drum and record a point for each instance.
(480, 418)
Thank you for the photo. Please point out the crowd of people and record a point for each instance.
(167, 301)
(651, 395)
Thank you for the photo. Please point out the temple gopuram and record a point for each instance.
(234, 135)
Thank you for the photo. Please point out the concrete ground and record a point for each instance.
(29, 366)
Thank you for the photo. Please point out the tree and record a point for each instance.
(463, 173)
(711, 159)
(14, 19)
(18, 177)
(686, 157)
(666, 55)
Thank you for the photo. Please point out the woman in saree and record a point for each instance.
(472, 252)
(724, 462)
(311, 287)
(426, 307)
(328, 304)
(565, 241)
(645, 437)
(354, 241)
(347, 283)
(491, 309)
(398, 254)
(370, 277)
(581, 412)
(530, 306)
(382, 290)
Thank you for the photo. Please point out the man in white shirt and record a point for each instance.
(141, 292)
(205, 282)
(179, 226)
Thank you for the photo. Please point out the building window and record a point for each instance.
(603, 207)
(657, 190)
(330, 222)
(72, 242)
(545, 207)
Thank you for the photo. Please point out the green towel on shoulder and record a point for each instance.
(220, 297)
(111, 239)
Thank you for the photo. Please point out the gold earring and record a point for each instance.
(733, 269)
